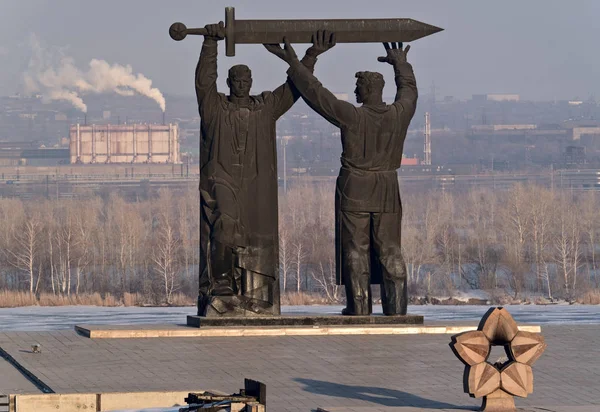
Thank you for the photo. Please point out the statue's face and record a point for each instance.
(239, 86)
(361, 91)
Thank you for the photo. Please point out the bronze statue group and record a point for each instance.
(238, 180)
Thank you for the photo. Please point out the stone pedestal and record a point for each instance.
(201, 321)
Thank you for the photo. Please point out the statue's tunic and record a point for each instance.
(368, 207)
(238, 179)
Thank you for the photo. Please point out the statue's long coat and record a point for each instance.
(238, 168)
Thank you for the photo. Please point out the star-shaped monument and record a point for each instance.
(497, 383)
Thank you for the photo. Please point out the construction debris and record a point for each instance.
(253, 398)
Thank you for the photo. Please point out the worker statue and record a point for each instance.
(238, 185)
(367, 201)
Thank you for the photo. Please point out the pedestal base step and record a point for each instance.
(332, 320)
(182, 331)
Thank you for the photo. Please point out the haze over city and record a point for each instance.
(540, 49)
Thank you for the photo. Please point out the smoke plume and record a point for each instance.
(54, 75)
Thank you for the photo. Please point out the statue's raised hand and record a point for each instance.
(285, 53)
(395, 54)
(215, 31)
(322, 40)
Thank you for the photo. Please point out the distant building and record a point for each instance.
(585, 131)
(499, 127)
(132, 143)
(479, 98)
(31, 116)
(411, 161)
(31, 153)
(503, 97)
(574, 155)
(500, 165)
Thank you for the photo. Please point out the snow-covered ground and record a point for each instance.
(35, 318)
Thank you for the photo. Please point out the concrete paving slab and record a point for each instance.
(13, 382)
(364, 372)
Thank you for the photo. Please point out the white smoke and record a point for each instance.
(103, 78)
(55, 76)
(68, 96)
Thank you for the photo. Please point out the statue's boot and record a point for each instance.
(394, 293)
(223, 270)
(254, 294)
(237, 306)
(358, 296)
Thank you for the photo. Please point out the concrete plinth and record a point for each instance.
(180, 331)
(333, 320)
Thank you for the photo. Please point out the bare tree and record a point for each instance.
(285, 256)
(514, 223)
(299, 255)
(165, 259)
(86, 222)
(567, 246)
(167, 248)
(24, 253)
(590, 222)
(66, 243)
(324, 277)
(540, 209)
(413, 248)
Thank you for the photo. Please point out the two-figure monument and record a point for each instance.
(238, 179)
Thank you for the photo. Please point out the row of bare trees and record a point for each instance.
(527, 240)
(521, 241)
(109, 245)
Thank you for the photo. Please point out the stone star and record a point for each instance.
(498, 383)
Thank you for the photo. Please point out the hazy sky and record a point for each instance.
(541, 49)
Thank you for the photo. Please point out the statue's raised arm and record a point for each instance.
(287, 94)
(319, 98)
(406, 84)
(206, 70)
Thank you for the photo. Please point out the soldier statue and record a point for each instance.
(367, 201)
(238, 186)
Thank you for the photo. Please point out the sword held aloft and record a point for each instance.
(301, 31)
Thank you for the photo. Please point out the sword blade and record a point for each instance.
(346, 31)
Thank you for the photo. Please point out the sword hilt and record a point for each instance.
(179, 31)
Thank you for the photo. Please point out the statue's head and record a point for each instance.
(369, 84)
(239, 80)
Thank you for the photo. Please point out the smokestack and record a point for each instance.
(163, 118)
(85, 120)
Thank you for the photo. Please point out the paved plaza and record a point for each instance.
(338, 373)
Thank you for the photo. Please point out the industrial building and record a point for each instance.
(130, 143)
(496, 97)
(31, 154)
